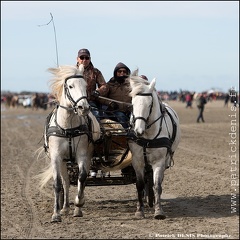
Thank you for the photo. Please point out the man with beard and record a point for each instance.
(119, 89)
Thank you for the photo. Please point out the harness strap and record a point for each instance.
(153, 143)
(70, 149)
(73, 76)
(156, 142)
(174, 127)
(71, 132)
(148, 167)
(67, 108)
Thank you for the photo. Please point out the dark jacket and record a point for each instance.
(119, 88)
(201, 102)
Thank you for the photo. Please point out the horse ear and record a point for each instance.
(81, 68)
(152, 84)
(135, 72)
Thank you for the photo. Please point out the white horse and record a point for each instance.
(154, 139)
(69, 136)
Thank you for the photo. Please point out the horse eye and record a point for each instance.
(70, 86)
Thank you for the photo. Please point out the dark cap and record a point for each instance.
(83, 52)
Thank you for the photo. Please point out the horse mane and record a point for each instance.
(137, 84)
(60, 74)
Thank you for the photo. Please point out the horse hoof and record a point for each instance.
(56, 218)
(79, 202)
(77, 213)
(139, 214)
(160, 216)
(64, 211)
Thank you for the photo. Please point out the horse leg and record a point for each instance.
(56, 217)
(140, 192)
(66, 184)
(158, 179)
(80, 200)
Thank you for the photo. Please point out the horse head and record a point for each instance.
(69, 88)
(75, 90)
(142, 102)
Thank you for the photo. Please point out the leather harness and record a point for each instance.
(69, 133)
(156, 142)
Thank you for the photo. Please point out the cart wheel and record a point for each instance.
(149, 188)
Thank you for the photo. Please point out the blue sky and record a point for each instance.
(189, 45)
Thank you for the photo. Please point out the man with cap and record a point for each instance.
(119, 89)
(96, 84)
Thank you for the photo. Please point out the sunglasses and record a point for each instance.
(122, 71)
(84, 57)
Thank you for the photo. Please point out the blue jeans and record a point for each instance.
(122, 118)
(94, 110)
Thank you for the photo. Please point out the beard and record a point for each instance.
(121, 79)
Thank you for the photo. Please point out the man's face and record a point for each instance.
(84, 60)
(121, 72)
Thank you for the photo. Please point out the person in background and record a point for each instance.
(119, 89)
(188, 100)
(226, 99)
(96, 84)
(201, 101)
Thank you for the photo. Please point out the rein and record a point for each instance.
(113, 100)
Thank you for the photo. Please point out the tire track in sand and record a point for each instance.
(32, 228)
(25, 231)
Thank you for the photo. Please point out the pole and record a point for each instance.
(54, 35)
(55, 39)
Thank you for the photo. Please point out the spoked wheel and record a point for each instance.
(149, 188)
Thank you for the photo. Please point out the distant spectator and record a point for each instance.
(188, 99)
(201, 101)
(226, 100)
(233, 95)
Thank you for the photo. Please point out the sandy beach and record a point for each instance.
(200, 192)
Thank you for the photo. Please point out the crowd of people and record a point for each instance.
(117, 89)
(27, 100)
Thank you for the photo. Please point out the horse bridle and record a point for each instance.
(150, 111)
(146, 120)
(67, 93)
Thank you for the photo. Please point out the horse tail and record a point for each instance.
(45, 176)
(47, 173)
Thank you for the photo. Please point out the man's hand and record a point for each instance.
(129, 108)
(113, 105)
(96, 94)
